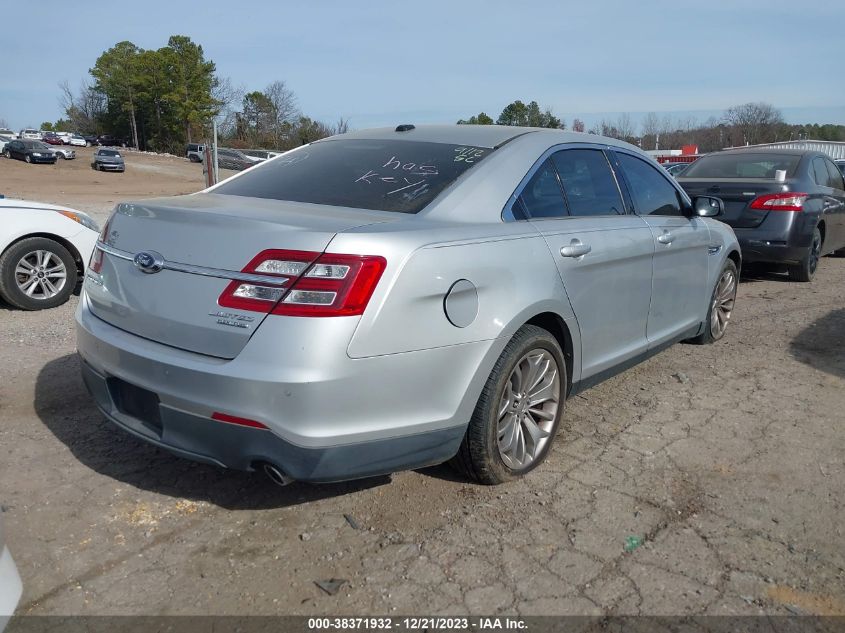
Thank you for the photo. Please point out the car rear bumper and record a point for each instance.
(337, 418)
(10, 585)
(782, 238)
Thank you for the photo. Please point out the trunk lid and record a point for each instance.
(737, 194)
(206, 236)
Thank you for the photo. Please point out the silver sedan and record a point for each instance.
(392, 298)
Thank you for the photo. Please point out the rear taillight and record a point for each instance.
(96, 262)
(779, 202)
(310, 284)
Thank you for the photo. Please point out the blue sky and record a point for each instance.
(380, 63)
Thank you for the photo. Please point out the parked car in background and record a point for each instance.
(108, 160)
(90, 139)
(675, 169)
(77, 140)
(52, 138)
(64, 152)
(503, 268)
(11, 587)
(45, 251)
(107, 140)
(29, 151)
(3, 140)
(233, 159)
(840, 163)
(195, 152)
(65, 136)
(787, 207)
(30, 133)
(8, 133)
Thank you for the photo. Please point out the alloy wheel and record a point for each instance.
(528, 409)
(40, 274)
(723, 304)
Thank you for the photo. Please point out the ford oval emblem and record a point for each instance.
(148, 262)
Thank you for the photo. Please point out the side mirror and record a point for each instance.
(707, 206)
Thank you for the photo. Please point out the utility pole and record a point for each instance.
(214, 151)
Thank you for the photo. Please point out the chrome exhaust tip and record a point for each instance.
(276, 475)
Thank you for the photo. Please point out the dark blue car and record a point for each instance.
(786, 207)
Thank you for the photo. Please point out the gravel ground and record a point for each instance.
(708, 480)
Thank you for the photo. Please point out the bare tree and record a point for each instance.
(650, 131)
(229, 97)
(577, 125)
(285, 110)
(341, 127)
(756, 122)
(84, 108)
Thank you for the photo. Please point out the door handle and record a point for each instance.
(666, 238)
(576, 248)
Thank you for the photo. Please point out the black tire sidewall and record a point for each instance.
(8, 261)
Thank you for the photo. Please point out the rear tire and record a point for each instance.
(721, 306)
(518, 412)
(806, 269)
(16, 265)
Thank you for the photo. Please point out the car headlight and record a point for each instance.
(83, 219)
(36, 153)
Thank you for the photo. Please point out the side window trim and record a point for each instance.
(684, 200)
(508, 216)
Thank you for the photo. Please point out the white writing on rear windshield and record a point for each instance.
(410, 177)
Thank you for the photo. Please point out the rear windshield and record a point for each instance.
(383, 175)
(751, 165)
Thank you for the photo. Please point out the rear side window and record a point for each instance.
(742, 165)
(588, 182)
(542, 196)
(383, 175)
(835, 176)
(820, 174)
(652, 192)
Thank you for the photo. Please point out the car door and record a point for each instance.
(603, 255)
(680, 292)
(834, 208)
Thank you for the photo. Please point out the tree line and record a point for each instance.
(161, 99)
(746, 124)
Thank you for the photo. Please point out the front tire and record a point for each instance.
(721, 308)
(519, 410)
(37, 273)
(28, 158)
(806, 269)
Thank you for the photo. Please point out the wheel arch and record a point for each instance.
(736, 257)
(556, 326)
(77, 258)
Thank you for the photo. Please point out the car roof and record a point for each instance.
(475, 135)
(768, 150)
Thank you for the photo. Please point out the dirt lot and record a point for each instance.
(725, 461)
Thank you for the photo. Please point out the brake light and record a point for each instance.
(310, 284)
(95, 264)
(780, 202)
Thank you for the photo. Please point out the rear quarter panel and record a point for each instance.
(510, 266)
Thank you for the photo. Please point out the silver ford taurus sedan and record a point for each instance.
(392, 298)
